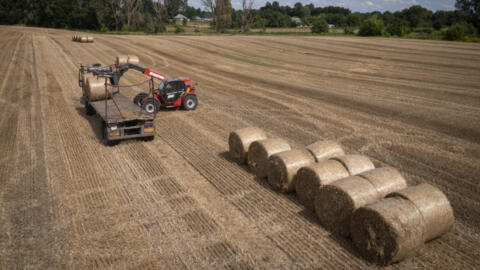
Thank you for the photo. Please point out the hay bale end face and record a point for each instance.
(323, 150)
(356, 164)
(308, 180)
(260, 151)
(336, 202)
(284, 166)
(239, 141)
(434, 207)
(85, 78)
(388, 230)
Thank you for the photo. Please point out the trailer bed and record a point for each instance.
(122, 119)
(119, 109)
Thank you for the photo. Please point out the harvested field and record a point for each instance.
(181, 201)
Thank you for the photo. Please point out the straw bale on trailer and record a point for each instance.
(323, 150)
(396, 227)
(260, 151)
(239, 141)
(96, 89)
(85, 77)
(284, 166)
(336, 202)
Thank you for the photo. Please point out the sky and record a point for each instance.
(354, 5)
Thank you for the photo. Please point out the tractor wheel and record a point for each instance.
(151, 105)
(89, 110)
(189, 102)
(138, 100)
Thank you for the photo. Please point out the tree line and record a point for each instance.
(152, 15)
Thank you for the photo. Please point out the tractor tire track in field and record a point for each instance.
(267, 211)
(179, 202)
(387, 111)
(254, 114)
(141, 165)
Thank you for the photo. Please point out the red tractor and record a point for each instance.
(171, 93)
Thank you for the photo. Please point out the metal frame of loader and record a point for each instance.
(121, 119)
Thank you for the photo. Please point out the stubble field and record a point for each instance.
(68, 201)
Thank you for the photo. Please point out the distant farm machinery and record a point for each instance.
(82, 39)
(122, 118)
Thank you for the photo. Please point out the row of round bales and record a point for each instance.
(82, 39)
(387, 220)
(94, 86)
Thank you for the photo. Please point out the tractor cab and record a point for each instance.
(170, 90)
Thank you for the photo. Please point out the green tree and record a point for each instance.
(320, 25)
(354, 19)
(372, 27)
(471, 9)
(416, 15)
(459, 31)
(398, 27)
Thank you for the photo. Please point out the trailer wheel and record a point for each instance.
(148, 139)
(189, 102)
(138, 100)
(151, 105)
(89, 110)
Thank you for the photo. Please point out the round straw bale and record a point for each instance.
(388, 230)
(96, 89)
(121, 60)
(133, 59)
(356, 164)
(309, 179)
(434, 206)
(260, 151)
(385, 180)
(322, 150)
(239, 141)
(284, 166)
(84, 39)
(85, 77)
(335, 202)
(90, 39)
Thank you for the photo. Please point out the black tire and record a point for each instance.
(112, 143)
(148, 139)
(89, 110)
(138, 100)
(151, 105)
(189, 102)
